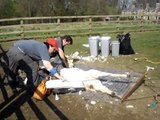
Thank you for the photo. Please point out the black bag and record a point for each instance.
(125, 44)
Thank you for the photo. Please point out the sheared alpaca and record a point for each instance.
(81, 75)
(89, 78)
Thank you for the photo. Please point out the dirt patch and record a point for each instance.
(75, 106)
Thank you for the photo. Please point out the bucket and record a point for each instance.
(105, 44)
(115, 48)
(94, 45)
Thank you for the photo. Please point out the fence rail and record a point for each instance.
(43, 27)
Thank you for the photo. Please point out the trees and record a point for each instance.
(31, 8)
(6, 9)
(152, 3)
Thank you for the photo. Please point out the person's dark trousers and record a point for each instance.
(58, 63)
(19, 60)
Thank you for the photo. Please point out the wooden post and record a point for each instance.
(22, 28)
(137, 84)
(142, 20)
(117, 28)
(90, 25)
(58, 26)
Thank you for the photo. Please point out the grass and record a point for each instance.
(146, 44)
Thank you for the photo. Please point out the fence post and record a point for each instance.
(58, 26)
(22, 28)
(142, 17)
(118, 24)
(90, 26)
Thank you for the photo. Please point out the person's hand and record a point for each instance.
(57, 75)
(61, 78)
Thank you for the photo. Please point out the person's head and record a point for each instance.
(52, 45)
(67, 40)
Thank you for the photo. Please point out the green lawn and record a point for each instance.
(146, 44)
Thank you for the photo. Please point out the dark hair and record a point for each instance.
(68, 38)
(46, 44)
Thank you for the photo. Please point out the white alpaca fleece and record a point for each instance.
(72, 74)
(78, 78)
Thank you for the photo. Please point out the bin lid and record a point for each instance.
(115, 42)
(105, 38)
(94, 38)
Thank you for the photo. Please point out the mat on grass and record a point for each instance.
(123, 87)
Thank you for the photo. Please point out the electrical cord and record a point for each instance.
(156, 94)
(141, 58)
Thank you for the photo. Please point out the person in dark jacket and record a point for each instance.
(26, 54)
(60, 58)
